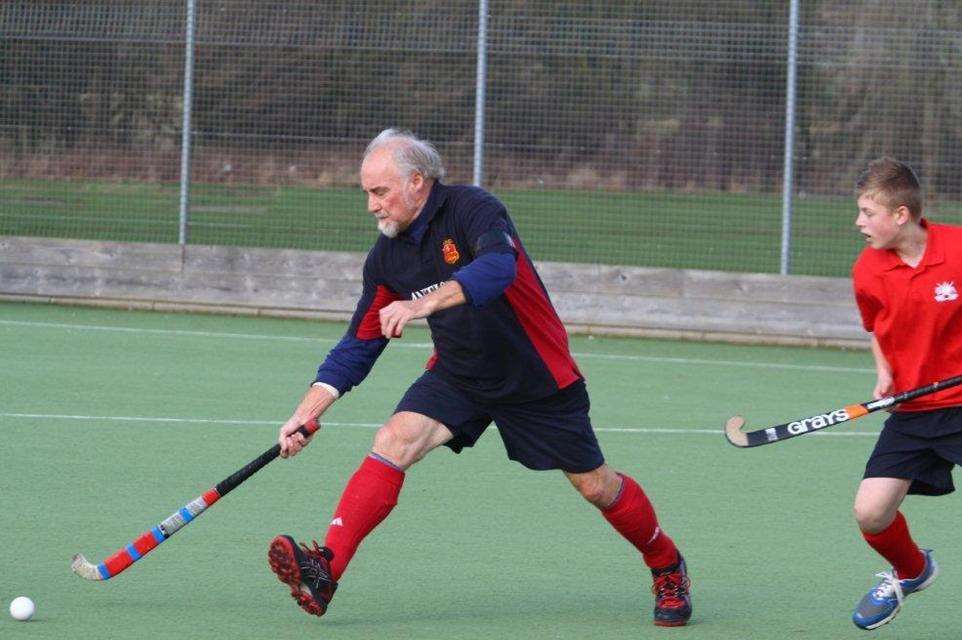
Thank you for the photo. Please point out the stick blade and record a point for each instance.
(734, 433)
(85, 569)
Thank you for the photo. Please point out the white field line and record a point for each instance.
(374, 425)
(427, 345)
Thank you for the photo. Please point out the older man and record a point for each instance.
(451, 254)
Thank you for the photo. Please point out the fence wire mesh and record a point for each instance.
(639, 133)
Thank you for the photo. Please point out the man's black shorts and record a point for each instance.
(548, 433)
(921, 446)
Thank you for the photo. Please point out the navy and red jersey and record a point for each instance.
(506, 344)
(916, 313)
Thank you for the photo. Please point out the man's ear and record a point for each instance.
(417, 181)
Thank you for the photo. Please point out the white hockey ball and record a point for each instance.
(22, 608)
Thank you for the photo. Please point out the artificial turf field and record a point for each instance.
(111, 420)
(740, 232)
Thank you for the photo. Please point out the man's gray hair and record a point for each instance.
(410, 153)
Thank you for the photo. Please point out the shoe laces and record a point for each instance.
(316, 570)
(316, 553)
(889, 586)
(670, 589)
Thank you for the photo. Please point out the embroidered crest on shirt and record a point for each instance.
(450, 251)
(945, 292)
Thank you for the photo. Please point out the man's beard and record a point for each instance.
(391, 228)
(388, 227)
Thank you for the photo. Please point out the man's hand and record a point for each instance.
(397, 314)
(313, 405)
(290, 439)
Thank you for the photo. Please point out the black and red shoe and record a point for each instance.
(306, 571)
(672, 590)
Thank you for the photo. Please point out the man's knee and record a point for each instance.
(599, 487)
(394, 444)
(408, 437)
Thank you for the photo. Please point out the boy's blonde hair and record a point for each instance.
(892, 184)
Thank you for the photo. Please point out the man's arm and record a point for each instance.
(396, 315)
(346, 365)
(315, 402)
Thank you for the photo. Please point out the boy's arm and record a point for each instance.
(883, 370)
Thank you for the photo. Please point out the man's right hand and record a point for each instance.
(290, 439)
(315, 402)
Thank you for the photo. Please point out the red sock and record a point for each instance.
(632, 515)
(895, 544)
(368, 498)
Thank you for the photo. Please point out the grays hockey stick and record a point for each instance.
(739, 438)
(149, 540)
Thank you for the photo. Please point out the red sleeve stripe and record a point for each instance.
(540, 322)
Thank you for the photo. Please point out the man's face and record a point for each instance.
(877, 223)
(390, 196)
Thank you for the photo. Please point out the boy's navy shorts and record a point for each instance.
(921, 446)
(548, 433)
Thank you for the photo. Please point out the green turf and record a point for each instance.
(735, 232)
(478, 547)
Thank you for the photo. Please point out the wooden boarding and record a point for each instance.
(677, 303)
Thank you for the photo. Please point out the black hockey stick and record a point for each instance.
(155, 535)
(739, 438)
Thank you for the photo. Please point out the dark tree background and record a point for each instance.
(624, 95)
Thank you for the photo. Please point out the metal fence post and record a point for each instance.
(480, 85)
(185, 134)
(789, 165)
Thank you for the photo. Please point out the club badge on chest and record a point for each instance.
(450, 251)
(945, 292)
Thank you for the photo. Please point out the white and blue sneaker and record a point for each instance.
(884, 601)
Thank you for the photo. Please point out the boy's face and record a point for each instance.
(878, 224)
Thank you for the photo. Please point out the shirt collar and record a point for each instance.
(419, 226)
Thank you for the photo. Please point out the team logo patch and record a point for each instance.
(945, 292)
(450, 251)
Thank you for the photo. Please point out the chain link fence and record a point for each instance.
(638, 133)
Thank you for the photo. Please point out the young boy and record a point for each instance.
(907, 283)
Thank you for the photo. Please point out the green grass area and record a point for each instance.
(732, 232)
(112, 420)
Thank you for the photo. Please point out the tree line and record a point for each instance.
(687, 94)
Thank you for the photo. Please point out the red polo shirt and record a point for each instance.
(916, 313)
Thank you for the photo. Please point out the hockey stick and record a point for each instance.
(154, 536)
(739, 438)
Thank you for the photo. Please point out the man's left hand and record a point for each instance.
(397, 314)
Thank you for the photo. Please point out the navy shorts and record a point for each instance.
(548, 433)
(921, 446)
